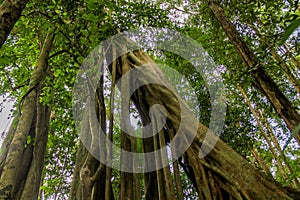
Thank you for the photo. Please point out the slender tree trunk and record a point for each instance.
(265, 84)
(137, 187)
(10, 12)
(6, 143)
(80, 158)
(265, 135)
(178, 183)
(293, 80)
(261, 162)
(276, 143)
(127, 188)
(14, 163)
(292, 57)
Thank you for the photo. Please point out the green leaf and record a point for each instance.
(289, 30)
(91, 5)
(28, 139)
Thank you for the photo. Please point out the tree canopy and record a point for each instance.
(47, 154)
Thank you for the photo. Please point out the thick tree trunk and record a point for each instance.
(89, 176)
(10, 12)
(233, 175)
(222, 174)
(265, 84)
(14, 162)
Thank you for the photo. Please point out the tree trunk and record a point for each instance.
(261, 162)
(32, 184)
(10, 12)
(292, 57)
(287, 70)
(265, 84)
(80, 158)
(17, 159)
(222, 174)
(226, 166)
(89, 176)
(127, 181)
(278, 148)
(264, 134)
(6, 143)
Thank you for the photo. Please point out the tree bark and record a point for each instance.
(292, 57)
(32, 184)
(229, 170)
(6, 143)
(222, 174)
(264, 134)
(89, 176)
(284, 66)
(13, 163)
(126, 188)
(265, 84)
(80, 158)
(10, 12)
(261, 162)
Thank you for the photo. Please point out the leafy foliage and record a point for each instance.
(82, 25)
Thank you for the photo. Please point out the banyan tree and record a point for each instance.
(104, 120)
